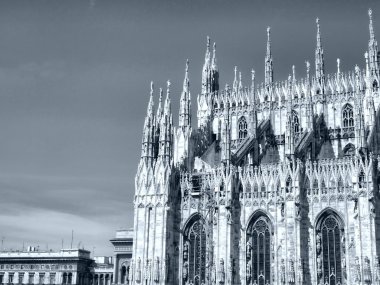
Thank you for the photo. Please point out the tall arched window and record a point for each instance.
(194, 253)
(330, 249)
(259, 235)
(348, 116)
(242, 128)
(296, 122)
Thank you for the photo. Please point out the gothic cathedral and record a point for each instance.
(278, 184)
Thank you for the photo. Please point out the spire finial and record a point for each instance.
(186, 80)
(371, 32)
(307, 69)
(294, 73)
(150, 104)
(235, 71)
(213, 62)
(208, 43)
(252, 75)
(168, 88)
(151, 88)
(338, 65)
(318, 33)
(268, 41)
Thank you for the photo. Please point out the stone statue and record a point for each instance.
(318, 241)
(367, 274)
(300, 271)
(282, 271)
(291, 275)
(156, 275)
(185, 271)
(130, 277)
(138, 270)
(185, 251)
(221, 271)
(377, 271)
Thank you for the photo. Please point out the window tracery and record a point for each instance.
(348, 116)
(242, 128)
(194, 254)
(296, 123)
(330, 250)
(258, 261)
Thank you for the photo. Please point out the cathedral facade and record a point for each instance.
(277, 184)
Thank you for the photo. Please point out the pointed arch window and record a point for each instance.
(330, 249)
(194, 253)
(348, 116)
(242, 124)
(259, 254)
(296, 122)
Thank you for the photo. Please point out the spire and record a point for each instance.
(235, 83)
(371, 32)
(206, 69)
(150, 104)
(210, 74)
(268, 62)
(294, 74)
(165, 144)
(214, 65)
(207, 56)
(240, 88)
(184, 108)
(186, 80)
(338, 66)
(159, 108)
(372, 48)
(147, 149)
(167, 107)
(308, 71)
(319, 61)
(253, 85)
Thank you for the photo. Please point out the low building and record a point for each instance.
(67, 266)
(122, 243)
(102, 273)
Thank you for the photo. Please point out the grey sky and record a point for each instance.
(74, 84)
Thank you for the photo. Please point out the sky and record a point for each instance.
(74, 85)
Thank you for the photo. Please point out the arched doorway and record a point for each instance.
(330, 248)
(194, 252)
(258, 250)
